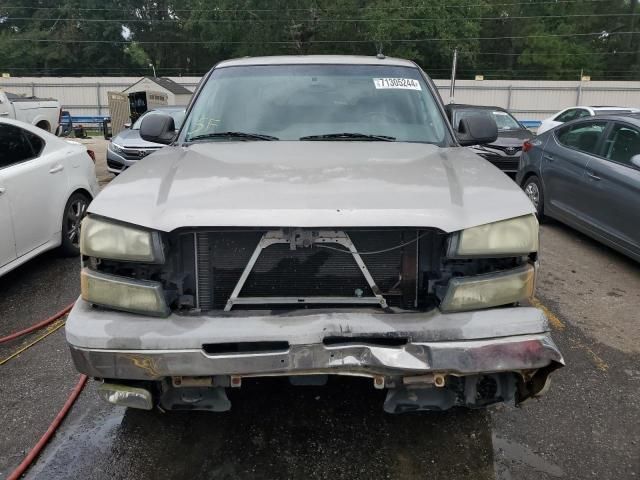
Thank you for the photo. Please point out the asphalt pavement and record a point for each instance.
(587, 426)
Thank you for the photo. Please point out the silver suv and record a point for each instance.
(126, 148)
(314, 216)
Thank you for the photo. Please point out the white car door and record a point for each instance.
(7, 243)
(36, 186)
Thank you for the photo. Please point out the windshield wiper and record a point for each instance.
(243, 135)
(349, 136)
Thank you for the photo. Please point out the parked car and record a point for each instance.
(587, 174)
(44, 113)
(127, 147)
(505, 152)
(574, 113)
(66, 124)
(314, 216)
(46, 184)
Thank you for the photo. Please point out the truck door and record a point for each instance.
(5, 106)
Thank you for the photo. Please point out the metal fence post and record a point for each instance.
(509, 96)
(98, 102)
(33, 89)
(579, 95)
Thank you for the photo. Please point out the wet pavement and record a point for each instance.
(587, 426)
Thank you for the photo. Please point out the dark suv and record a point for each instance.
(505, 152)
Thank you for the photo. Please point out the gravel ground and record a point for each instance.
(587, 426)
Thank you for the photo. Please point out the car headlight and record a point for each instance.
(114, 147)
(513, 237)
(104, 239)
(490, 290)
(121, 293)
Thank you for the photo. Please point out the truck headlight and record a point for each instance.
(490, 290)
(121, 293)
(104, 239)
(513, 237)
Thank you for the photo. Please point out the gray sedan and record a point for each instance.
(586, 174)
(128, 147)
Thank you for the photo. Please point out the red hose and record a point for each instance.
(38, 325)
(35, 451)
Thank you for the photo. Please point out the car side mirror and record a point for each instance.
(476, 130)
(158, 128)
(127, 125)
(635, 161)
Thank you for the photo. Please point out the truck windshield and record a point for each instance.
(316, 102)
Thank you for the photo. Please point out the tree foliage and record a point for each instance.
(498, 39)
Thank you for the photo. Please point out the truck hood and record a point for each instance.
(311, 184)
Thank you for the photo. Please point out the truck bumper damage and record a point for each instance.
(427, 361)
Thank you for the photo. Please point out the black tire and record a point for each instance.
(74, 212)
(533, 189)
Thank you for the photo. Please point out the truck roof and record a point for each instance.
(316, 60)
(19, 98)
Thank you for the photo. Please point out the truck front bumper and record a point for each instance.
(387, 347)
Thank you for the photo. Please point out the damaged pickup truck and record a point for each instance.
(314, 216)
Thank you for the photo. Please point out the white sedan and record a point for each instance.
(46, 185)
(573, 113)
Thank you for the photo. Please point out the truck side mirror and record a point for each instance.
(476, 130)
(158, 128)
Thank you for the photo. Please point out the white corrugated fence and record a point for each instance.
(527, 99)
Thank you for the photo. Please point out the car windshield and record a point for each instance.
(328, 102)
(178, 117)
(504, 121)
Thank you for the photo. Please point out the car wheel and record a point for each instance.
(533, 189)
(74, 212)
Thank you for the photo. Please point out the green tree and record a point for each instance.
(505, 39)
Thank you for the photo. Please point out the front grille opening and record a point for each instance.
(376, 341)
(245, 347)
(404, 276)
(306, 272)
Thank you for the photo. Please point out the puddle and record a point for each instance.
(507, 452)
(95, 431)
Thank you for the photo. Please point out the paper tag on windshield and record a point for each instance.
(399, 83)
